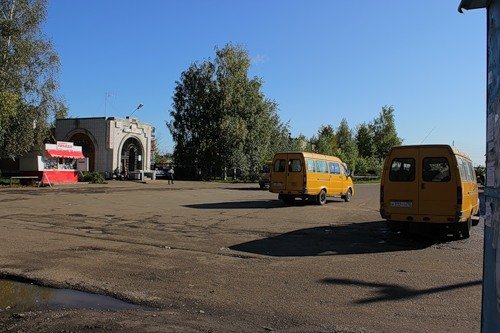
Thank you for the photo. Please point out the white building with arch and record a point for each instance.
(110, 143)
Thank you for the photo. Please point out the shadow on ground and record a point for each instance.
(353, 238)
(275, 203)
(256, 188)
(239, 205)
(394, 292)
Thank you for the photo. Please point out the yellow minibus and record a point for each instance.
(429, 184)
(309, 176)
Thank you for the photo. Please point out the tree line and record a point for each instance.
(362, 148)
(28, 78)
(221, 121)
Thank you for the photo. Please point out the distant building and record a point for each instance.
(110, 143)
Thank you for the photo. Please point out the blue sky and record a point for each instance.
(321, 61)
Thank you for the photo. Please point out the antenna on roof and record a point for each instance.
(107, 95)
(428, 134)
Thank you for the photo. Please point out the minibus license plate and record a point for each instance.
(403, 204)
(278, 185)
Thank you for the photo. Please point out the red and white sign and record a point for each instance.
(62, 145)
(64, 150)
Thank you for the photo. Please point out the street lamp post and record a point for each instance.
(137, 108)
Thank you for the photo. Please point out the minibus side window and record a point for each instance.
(321, 167)
(294, 165)
(461, 168)
(472, 172)
(464, 169)
(310, 165)
(436, 169)
(402, 170)
(346, 171)
(279, 166)
(334, 168)
(467, 171)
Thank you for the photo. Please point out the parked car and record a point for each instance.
(265, 174)
(161, 173)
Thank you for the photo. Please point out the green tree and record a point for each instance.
(364, 140)
(300, 143)
(347, 151)
(195, 118)
(384, 131)
(344, 134)
(221, 118)
(480, 173)
(28, 70)
(368, 166)
(326, 141)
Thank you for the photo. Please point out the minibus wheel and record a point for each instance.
(287, 199)
(466, 228)
(348, 196)
(321, 197)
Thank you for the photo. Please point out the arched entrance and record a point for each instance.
(88, 149)
(131, 156)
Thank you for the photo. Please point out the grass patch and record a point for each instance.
(366, 181)
(93, 177)
(6, 181)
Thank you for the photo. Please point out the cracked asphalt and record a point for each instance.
(218, 257)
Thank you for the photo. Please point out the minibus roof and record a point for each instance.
(454, 150)
(311, 155)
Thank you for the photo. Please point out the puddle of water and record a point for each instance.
(20, 297)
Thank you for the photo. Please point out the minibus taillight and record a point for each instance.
(381, 193)
(305, 180)
(459, 195)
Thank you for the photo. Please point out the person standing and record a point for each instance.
(170, 175)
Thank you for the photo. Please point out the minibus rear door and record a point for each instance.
(438, 185)
(278, 173)
(295, 173)
(401, 192)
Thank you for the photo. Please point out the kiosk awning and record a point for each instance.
(65, 153)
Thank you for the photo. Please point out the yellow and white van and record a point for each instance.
(429, 184)
(309, 176)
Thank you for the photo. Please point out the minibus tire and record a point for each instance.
(465, 228)
(287, 199)
(475, 221)
(321, 199)
(348, 196)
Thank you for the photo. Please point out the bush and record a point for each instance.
(93, 177)
(368, 166)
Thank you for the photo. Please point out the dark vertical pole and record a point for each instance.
(490, 321)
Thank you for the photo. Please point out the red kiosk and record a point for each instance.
(59, 163)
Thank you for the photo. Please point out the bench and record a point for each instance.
(139, 175)
(22, 177)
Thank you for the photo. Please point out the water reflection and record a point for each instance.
(19, 297)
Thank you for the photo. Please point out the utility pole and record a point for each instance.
(490, 317)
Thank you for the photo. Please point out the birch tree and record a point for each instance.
(28, 77)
